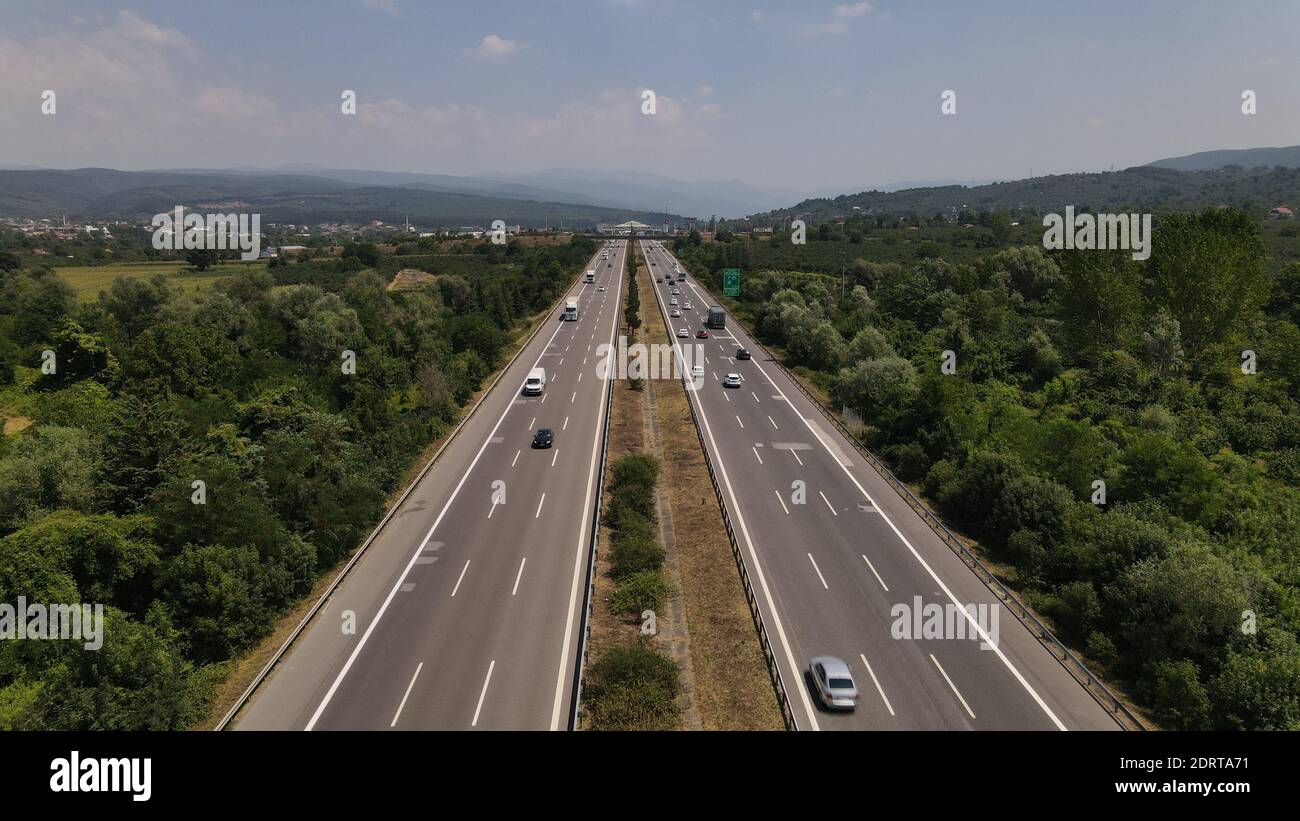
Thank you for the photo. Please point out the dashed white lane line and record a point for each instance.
(516, 459)
(828, 503)
(795, 454)
(483, 694)
(877, 575)
(953, 686)
(461, 578)
(572, 398)
(819, 572)
(879, 689)
(751, 393)
(782, 501)
(496, 500)
(539, 506)
(774, 424)
(742, 424)
(406, 695)
(566, 424)
(555, 456)
(534, 422)
(519, 575)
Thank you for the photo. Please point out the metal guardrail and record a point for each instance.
(769, 655)
(575, 708)
(1077, 669)
(356, 556)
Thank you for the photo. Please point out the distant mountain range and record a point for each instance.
(1141, 189)
(303, 197)
(1288, 157)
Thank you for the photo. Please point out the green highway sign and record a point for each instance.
(731, 282)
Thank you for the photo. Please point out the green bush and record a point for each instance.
(632, 688)
(632, 552)
(640, 591)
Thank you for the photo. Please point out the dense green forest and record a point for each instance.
(242, 387)
(1076, 368)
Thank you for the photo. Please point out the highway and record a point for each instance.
(467, 608)
(829, 567)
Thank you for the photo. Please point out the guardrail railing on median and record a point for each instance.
(1095, 687)
(338, 579)
(773, 668)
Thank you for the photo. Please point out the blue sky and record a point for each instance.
(802, 95)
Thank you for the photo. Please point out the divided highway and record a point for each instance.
(467, 608)
(829, 566)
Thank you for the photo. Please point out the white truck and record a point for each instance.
(570, 310)
(536, 382)
(591, 275)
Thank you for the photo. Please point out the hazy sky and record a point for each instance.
(801, 95)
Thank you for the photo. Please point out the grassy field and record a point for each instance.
(89, 280)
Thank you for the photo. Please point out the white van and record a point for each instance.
(536, 382)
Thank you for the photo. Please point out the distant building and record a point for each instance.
(1281, 213)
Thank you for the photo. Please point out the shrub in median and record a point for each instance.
(640, 591)
(632, 688)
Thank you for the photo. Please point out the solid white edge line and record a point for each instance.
(796, 675)
(960, 607)
(583, 525)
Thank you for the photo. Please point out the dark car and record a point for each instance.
(742, 353)
(701, 334)
(544, 438)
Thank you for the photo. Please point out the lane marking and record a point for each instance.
(519, 575)
(555, 456)
(953, 686)
(539, 506)
(742, 424)
(516, 459)
(828, 503)
(756, 456)
(365, 637)
(406, 695)
(751, 393)
(486, 682)
(781, 499)
(879, 689)
(460, 578)
(566, 424)
(795, 454)
(495, 501)
(819, 572)
(774, 424)
(873, 570)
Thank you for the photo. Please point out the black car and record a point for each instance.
(544, 438)
(742, 353)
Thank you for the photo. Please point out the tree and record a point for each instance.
(1207, 270)
(1000, 223)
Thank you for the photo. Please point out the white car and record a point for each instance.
(698, 370)
(732, 380)
(672, 301)
(688, 307)
(601, 288)
(676, 313)
(675, 292)
(683, 333)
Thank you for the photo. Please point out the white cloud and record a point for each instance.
(386, 6)
(705, 90)
(493, 48)
(846, 11)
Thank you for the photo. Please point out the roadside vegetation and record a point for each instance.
(243, 387)
(1080, 373)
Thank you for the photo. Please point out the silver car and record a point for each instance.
(833, 682)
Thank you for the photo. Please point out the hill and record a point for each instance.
(1142, 189)
(305, 198)
(1288, 157)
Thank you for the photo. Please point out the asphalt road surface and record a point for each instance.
(831, 563)
(467, 607)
